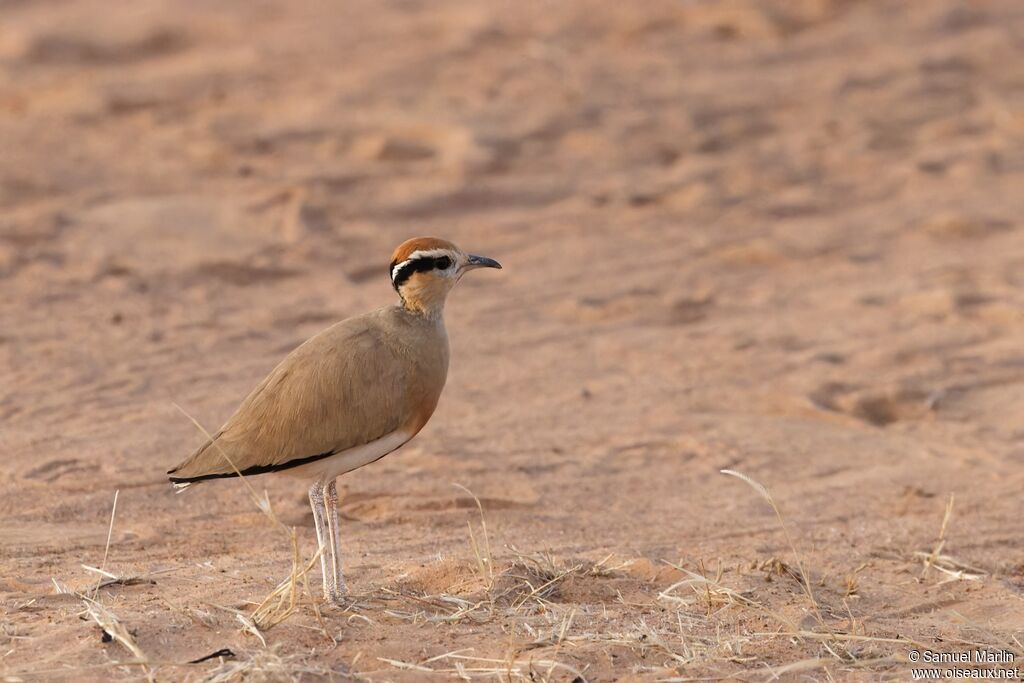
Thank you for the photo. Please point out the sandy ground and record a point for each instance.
(782, 238)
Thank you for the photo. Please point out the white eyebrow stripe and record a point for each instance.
(433, 253)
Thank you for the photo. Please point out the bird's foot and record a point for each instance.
(337, 595)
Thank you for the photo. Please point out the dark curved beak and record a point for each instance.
(473, 261)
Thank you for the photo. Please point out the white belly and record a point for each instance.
(354, 458)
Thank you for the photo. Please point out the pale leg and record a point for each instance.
(316, 501)
(338, 588)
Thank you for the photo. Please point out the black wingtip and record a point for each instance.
(249, 471)
(202, 477)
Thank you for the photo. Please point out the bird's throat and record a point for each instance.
(424, 299)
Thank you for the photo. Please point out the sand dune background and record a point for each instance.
(778, 237)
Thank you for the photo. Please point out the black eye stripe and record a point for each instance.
(417, 265)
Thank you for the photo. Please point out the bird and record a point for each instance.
(346, 397)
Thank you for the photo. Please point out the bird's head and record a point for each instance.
(424, 269)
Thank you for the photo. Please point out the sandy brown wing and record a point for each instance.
(341, 389)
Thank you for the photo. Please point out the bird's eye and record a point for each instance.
(442, 263)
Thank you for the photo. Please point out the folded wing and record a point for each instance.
(341, 389)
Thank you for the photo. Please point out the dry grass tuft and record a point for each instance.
(113, 627)
(458, 664)
(283, 601)
(267, 666)
(712, 595)
(532, 578)
(954, 569)
(439, 608)
(484, 558)
(839, 645)
(802, 575)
